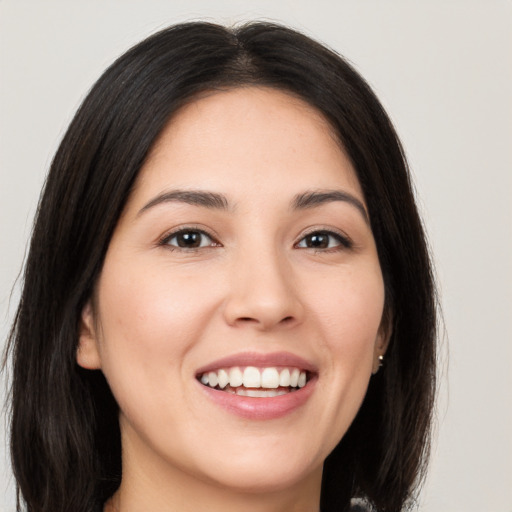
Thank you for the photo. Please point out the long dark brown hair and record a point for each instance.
(65, 439)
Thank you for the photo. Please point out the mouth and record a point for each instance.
(256, 382)
(258, 386)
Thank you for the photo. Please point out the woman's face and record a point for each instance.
(243, 256)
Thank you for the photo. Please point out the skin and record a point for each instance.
(160, 312)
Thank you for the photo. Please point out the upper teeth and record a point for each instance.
(252, 377)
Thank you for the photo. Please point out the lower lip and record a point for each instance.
(256, 408)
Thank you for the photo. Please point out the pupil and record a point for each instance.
(318, 240)
(189, 239)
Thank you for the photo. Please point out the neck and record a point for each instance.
(149, 487)
(125, 500)
(129, 499)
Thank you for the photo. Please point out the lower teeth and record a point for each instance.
(257, 392)
(260, 393)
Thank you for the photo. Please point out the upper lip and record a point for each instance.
(259, 360)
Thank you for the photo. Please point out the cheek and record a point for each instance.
(150, 318)
(349, 311)
(149, 303)
(349, 307)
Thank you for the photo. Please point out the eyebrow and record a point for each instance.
(194, 197)
(315, 198)
(216, 201)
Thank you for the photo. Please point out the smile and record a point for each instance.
(258, 386)
(255, 382)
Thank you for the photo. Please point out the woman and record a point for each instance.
(226, 251)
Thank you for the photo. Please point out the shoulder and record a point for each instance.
(358, 505)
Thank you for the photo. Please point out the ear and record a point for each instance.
(381, 344)
(88, 354)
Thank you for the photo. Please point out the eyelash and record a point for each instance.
(343, 242)
(183, 231)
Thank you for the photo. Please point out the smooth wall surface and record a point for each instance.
(444, 72)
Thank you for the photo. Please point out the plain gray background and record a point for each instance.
(443, 70)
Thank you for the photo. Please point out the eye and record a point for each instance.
(323, 240)
(189, 239)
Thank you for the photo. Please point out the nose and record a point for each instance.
(263, 293)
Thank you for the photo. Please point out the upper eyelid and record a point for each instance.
(345, 242)
(215, 238)
(328, 230)
(180, 229)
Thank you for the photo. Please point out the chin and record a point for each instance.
(275, 471)
(264, 479)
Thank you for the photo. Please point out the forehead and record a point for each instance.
(260, 138)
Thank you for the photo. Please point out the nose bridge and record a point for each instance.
(262, 291)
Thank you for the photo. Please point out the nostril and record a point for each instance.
(286, 319)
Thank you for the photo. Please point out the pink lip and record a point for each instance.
(260, 408)
(259, 361)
